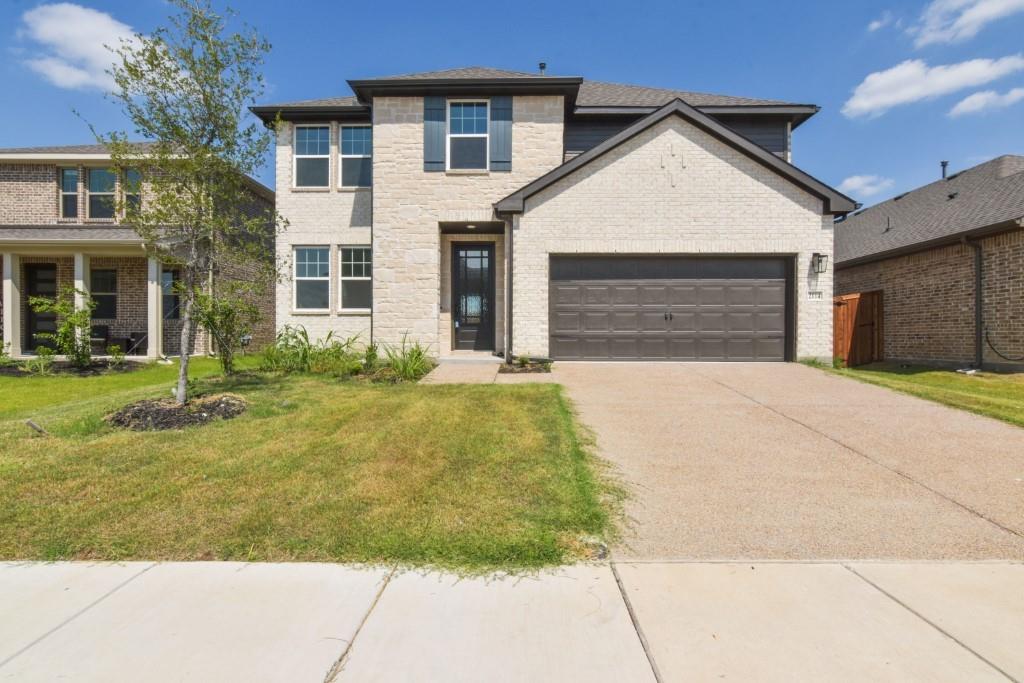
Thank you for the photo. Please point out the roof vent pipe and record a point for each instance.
(543, 66)
(945, 165)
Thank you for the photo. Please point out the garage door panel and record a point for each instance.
(668, 308)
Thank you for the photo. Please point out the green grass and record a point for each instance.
(996, 395)
(471, 477)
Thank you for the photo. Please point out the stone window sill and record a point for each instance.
(311, 189)
(355, 311)
(353, 189)
(467, 171)
(312, 313)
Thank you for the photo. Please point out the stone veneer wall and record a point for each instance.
(672, 189)
(408, 204)
(928, 301)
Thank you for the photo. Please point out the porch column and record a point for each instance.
(81, 278)
(12, 302)
(154, 311)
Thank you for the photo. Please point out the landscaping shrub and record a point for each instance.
(116, 356)
(5, 356)
(229, 318)
(74, 325)
(408, 362)
(42, 363)
(293, 351)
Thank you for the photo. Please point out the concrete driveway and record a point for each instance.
(782, 461)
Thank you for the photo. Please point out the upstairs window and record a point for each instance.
(356, 279)
(101, 193)
(356, 156)
(69, 193)
(467, 135)
(103, 290)
(312, 278)
(312, 156)
(133, 189)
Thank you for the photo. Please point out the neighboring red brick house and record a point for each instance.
(57, 228)
(926, 250)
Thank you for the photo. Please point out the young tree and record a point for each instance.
(186, 88)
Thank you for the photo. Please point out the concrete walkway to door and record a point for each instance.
(782, 461)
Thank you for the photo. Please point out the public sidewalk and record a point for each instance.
(631, 621)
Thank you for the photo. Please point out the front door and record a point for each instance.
(40, 280)
(473, 296)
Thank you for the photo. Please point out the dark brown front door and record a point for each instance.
(473, 296)
(40, 280)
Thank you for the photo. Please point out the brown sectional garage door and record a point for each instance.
(669, 308)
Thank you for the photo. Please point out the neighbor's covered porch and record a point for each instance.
(136, 309)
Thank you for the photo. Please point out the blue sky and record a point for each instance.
(901, 85)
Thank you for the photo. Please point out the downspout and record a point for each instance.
(508, 289)
(979, 302)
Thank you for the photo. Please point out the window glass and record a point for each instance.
(133, 188)
(356, 283)
(312, 278)
(356, 153)
(101, 183)
(468, 153)
(356, 141)
(468, 118)
(69, 193)
(103, 290)
(312, 156)
(171, 299)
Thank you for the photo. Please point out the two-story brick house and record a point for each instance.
(58, 227)
(552, 216)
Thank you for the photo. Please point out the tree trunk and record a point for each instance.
(181, 393)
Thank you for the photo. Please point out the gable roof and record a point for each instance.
(833, 202)
(589, 97)
(988, 197)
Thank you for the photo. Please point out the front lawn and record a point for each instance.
(996, 395)
(460, 476)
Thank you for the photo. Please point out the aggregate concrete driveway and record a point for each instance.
(782, 461)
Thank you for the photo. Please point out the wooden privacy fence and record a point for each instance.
(857, 328)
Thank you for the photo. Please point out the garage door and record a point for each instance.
(668, 308)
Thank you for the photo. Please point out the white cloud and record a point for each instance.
(865, 185)
(986, 99)
(71, 42)
(914, 80)
(881, 22)
(953, 21)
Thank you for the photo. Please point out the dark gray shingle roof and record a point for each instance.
(463, 72)
(985, 195)
(600, 94)
(67, 149)
(68, 232)
(349, 101)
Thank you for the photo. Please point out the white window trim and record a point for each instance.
(342, 278)
(296, 156)
(296, 279)
(342, 156)
(89, 193)
(60, 186)
(449, 135)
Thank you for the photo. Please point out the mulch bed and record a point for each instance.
(161, 414)
(65, 368)
(523, 369)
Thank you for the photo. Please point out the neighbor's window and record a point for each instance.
(171, 298)
(69, 193)
(312, 156)
(356, 279)
(103, 290)
(133, 189)
(467, 135)
(101, 193)
(356, 156)
(312, 278)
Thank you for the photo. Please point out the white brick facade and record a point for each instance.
(672, 189)
(329, 217)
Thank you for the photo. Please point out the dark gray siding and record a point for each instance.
(582, 134)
